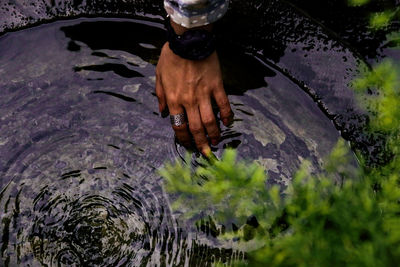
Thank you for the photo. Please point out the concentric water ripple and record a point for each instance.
(62, 212)
(81, 141)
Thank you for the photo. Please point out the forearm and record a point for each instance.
(195, 13)
(179, 29)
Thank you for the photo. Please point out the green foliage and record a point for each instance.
(384, 80)
(315, 221)
(393, 40)
(378, 20)
(383, 19)
(358, 2)
(384, 107)
(227, 190)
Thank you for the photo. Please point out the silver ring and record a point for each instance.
(178, 119)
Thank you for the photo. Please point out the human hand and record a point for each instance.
(187, 86)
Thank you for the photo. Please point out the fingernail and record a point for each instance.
(206, 151)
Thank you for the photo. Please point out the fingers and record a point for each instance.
(162, 104)
(197, 130)
(209, 121)
(181, 131)
(225, 110)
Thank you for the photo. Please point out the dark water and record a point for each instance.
(318, 44)
(81, 139)
(81, 143)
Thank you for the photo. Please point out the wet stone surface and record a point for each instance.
(81, 141)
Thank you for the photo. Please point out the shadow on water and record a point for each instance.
(118, 35)
(118, 69)
(123, 36)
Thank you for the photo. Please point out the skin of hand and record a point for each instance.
(187, 86)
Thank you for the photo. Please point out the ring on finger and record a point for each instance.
(178, 119)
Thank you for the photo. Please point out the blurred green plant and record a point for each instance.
(315, 221)
(358, 2)
(381, 19)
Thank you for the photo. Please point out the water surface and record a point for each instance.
(81, 141)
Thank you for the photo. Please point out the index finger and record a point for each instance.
(197, 130)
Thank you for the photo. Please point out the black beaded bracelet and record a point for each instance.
(194, 44)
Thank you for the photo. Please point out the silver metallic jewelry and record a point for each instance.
(178, 119)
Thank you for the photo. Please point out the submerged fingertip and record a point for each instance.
(206, 151)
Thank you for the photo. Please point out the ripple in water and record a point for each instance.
(96, 216)
(81, 141)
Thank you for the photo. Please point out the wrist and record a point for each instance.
(193, 44)
(179, 30)
(178, 60)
